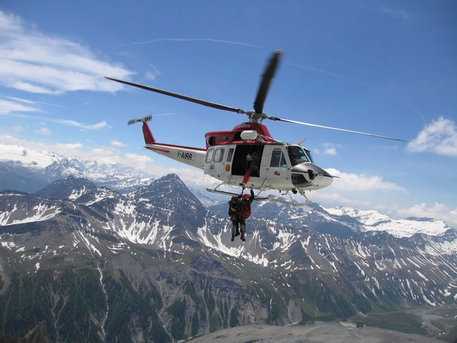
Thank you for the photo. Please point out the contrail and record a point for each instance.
(166, 114)
(314, 69)
(189, 40)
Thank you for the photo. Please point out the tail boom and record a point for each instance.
(192, 156)
(189, 155)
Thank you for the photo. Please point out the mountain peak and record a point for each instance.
(71, 188)
(170, 193)
(172, 177)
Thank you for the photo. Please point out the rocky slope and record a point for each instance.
(317, 333)
(154, 264)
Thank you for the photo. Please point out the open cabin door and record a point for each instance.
(247, 155)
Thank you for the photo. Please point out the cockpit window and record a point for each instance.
(297, 155)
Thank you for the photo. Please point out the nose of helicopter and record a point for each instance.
(315, 176)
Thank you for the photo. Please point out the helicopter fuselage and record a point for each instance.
(248, 155)
(228, 154)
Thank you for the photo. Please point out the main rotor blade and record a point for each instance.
(333, 128)
(180, 96)
(265, 83)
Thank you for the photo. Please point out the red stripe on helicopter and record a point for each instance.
(158, 149)
(179, 146)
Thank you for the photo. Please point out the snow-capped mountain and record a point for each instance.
(159, 248)
(114, 175)
(372, 220)
(34, 158)
(28, 169)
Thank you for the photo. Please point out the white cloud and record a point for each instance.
(35, 62)
(118, 144)
(330, 198)
(64, 147)
(13, 106)
(15, 98)
(351, 182)
(67, 122)
(330, 151)
(439, 137)
(44, 131)
(434, 210)
(358, 191)
(16, 106)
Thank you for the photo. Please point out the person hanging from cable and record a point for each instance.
(234, 213)
(239, 211)
(246, 201)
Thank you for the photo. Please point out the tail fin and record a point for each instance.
(148, 137)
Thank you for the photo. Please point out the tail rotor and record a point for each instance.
(148, 137)
(139, 120)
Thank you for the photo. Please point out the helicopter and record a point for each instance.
(248, 156)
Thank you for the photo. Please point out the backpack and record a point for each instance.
(245, 209)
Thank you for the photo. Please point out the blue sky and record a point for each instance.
(388, 67)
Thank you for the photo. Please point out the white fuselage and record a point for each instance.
(274, 167)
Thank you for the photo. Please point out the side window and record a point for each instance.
(275, 158)
(230, 155)
(219, 155)
(209, 155)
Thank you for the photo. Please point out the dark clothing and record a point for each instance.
(234, 207)
(242, 229)
(235, 228)
(239, 211)
(233, 212)
(246, 207)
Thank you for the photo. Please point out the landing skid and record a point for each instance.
(215, 190)
(269, 197)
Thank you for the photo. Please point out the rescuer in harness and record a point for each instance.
(239, 211)
(252, 166)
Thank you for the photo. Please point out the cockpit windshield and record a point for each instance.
(309, 155)
(297, 155)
